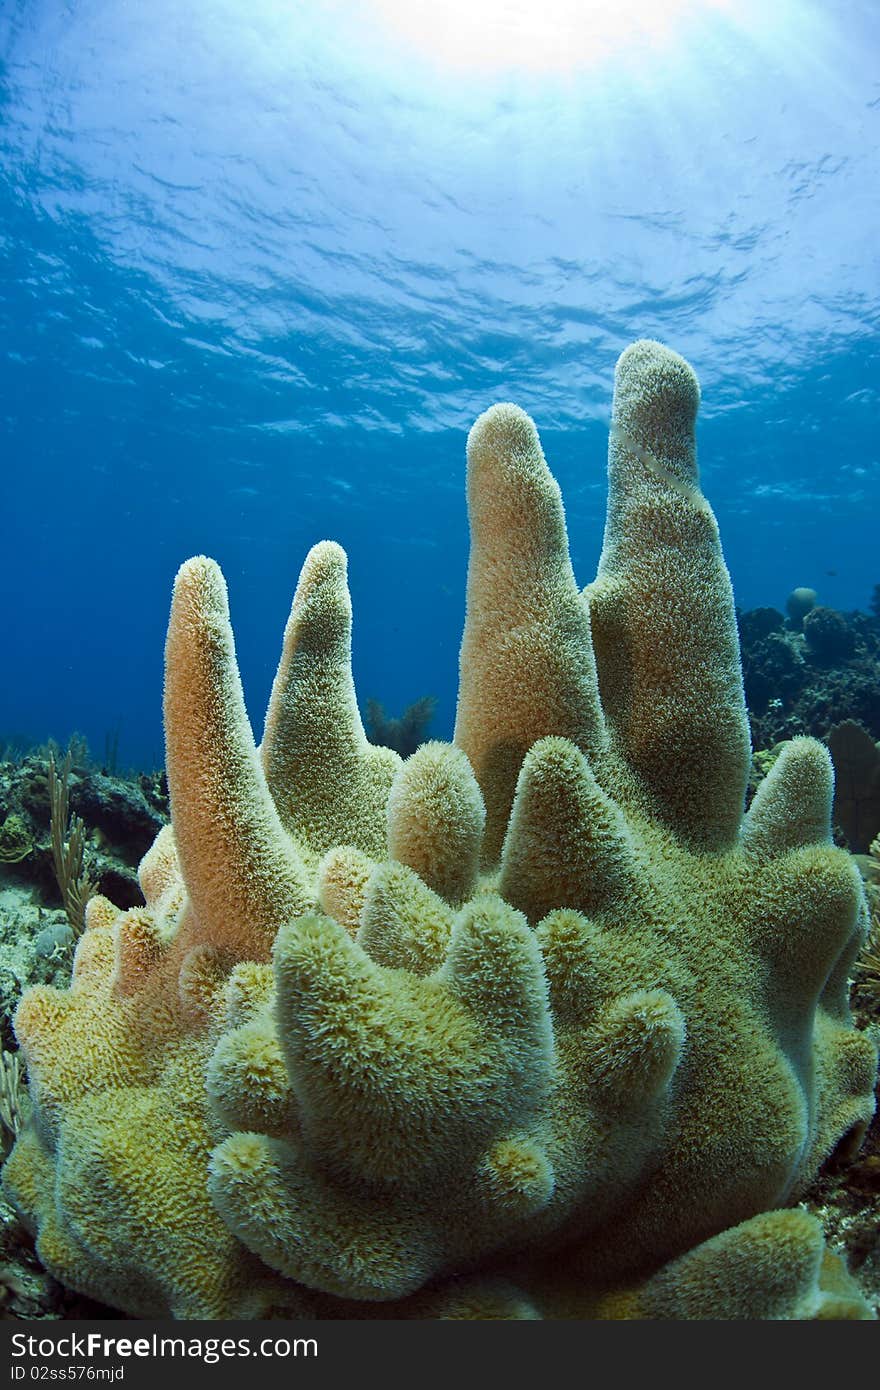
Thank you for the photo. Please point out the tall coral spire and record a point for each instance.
(664, 627)
(526, 657)
(329, 784)
(242, 872)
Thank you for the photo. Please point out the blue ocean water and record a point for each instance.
(264, 263)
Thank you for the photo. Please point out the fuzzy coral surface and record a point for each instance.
(536, 1024)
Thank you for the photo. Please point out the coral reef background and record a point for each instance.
(804, 678)
(818, 673)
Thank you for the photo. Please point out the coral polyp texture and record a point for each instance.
(533, 1024)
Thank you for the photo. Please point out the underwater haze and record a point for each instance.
(264, 262)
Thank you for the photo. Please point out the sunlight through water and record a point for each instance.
(538, 36)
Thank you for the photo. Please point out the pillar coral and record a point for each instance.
(537, 1024)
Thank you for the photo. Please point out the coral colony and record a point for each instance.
(533, 1024)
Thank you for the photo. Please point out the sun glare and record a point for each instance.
(533, 35)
